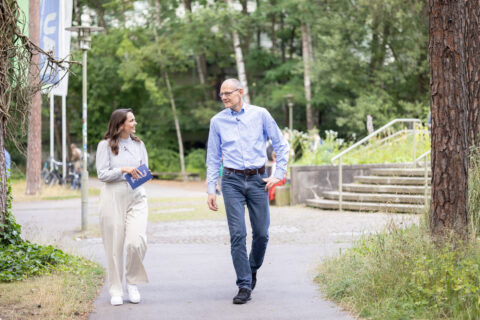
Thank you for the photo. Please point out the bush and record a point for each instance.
(163, 160)
(195, 162)
(402, 274)
(20, 259)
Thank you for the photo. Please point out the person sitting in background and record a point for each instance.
(76, 156)
(271, 191)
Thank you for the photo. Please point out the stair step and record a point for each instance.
(375, 197)
(376, 188)
(390, 180)
(365, 206)
(405, 172)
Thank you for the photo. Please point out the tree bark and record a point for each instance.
(472, 46)
(34, 147)
(242, 76)
(177, 124)
(171, 97)
(306, 75)
(100, 11)
(199, 58)
(3, 171)
(247, 26)
(449, 107)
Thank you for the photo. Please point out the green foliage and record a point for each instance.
(20, 259)
(164, 160)
(390, 149)
(369, 58)
(195, 162)
(402, 274)
(474, 191)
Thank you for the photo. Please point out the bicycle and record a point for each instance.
(53, 176)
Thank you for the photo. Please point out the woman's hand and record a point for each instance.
(133, 171)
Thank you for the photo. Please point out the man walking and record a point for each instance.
(239, 135)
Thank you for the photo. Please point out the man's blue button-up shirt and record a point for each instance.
(240, 138)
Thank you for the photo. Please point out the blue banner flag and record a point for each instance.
(49, 35)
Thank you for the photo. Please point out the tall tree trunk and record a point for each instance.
(448, 102)
(273, 33)
(242, 76)
(57, 129)
(259, 30)
(472, 46)
(170, 95)
(4, 105)
(34, 148)
(282, 43)
(306, 75)
(177, 124)
(100, 11)
(247, 26)
(3, 172)
(199, 58)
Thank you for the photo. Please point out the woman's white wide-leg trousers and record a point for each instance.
(123, 224)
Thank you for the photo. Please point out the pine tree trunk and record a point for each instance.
(449, 107)
(472, 47)
(34, 148)
(3, 171)
(242, 76)
(306, 75)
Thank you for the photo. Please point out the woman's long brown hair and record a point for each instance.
(117, 119)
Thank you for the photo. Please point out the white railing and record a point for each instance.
(367, 138)
(425, 175)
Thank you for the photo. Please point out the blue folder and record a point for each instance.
(146, 175)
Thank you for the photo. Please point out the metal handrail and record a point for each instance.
(425, 155)
(370, 136)
(425, 175)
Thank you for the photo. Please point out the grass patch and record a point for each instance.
(180, 209)
(62, 294)
(56, 192)
(402, 274)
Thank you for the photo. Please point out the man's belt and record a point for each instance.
(247, 172)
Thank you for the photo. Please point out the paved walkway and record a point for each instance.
(189, 264)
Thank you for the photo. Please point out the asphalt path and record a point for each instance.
(189, 264)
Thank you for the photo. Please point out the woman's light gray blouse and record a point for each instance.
(109, 165)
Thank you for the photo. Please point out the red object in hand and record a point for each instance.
(271, 191)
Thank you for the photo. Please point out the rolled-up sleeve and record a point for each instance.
(280, 145)
(214, 158)
(105, 172)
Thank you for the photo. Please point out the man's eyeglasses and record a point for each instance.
(226, 93)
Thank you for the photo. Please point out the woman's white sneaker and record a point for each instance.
(116, 300)
(133, 293)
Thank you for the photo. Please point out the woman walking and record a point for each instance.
(123, 211)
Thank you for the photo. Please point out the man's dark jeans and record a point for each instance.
(238, 190)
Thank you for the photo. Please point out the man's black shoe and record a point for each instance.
(254, 280)
(242, 296)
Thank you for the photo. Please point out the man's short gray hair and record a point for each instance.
(234, 82)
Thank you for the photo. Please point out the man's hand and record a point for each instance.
(270, 182)
(212, 201)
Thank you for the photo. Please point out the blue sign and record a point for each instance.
(49, 35)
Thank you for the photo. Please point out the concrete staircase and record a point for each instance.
(399, 190)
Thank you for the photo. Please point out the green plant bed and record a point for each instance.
(398, 149)
(401, 274)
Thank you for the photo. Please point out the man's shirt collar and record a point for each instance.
(245, 107)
